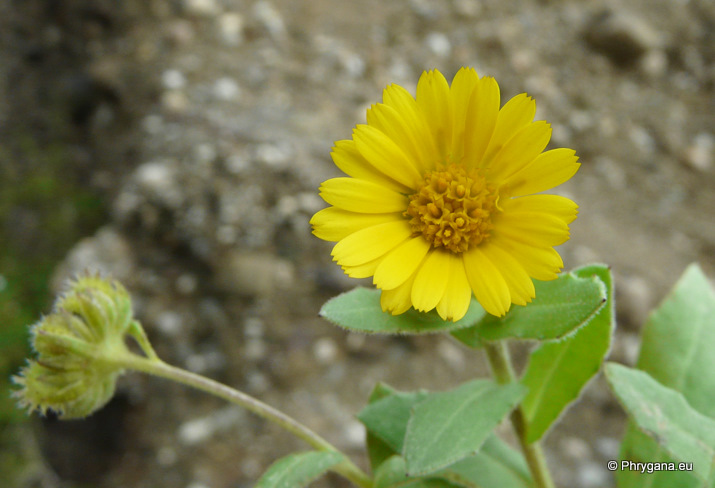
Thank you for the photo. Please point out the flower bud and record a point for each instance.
(77, 345)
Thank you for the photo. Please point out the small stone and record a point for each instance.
(205, 362)
(468, 8)
(157, 179)
(166, 456)
(439, 44)
(354, 433)
(254, 349)
(575, 448)
(173, 79)
(655, 63)
(451, 354)
(205, 153)
(635, 299)
(175, 101)
(253, 327)
(180, 32)
(699, 155)
(608, 447)
(186, 284)
(169, 323)
(226, 89)
(353, 64)
(621, 36)
(642, 140)
(226, 234)
(325, 350)
(153, 124)
(107, 251)
(202, 8)
(267, 15)
(273, 155)
(592, 474)
(309, 202)
(253, 273)
(231, 28)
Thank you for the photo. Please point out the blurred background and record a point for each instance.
(179, 144)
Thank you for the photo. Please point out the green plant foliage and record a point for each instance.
(559, 370)
(666, 416)
(393, 474)
(297, 470)
(448, 426)
(496, 465)
(561, 306)
(678, 347)
(677, 351)
(387, 417)
(359, 310)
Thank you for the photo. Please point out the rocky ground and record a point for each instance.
(206, 126)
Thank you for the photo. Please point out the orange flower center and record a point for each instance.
(453, 208)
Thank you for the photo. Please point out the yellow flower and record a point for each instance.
(440, 203)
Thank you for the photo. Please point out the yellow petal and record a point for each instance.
(481, 118)
(402, 120)
(362, 196)
(534, 228)
(541, 263)
(364, 270)
(402, 102)
(555, 205)
(520, 150)
(333, 224)
(386, 156)
(398, 300)
(521, 287)
(400, 263)
(458, 295)
(460, 92)
(548, 170)
(370, 243)
(487, 282)
(346, 157)
(431, 281)
(513, 116)
(433, 100)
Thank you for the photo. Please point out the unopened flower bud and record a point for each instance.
(76, 370)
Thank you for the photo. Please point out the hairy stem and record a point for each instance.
(503, 371)
(157, 367)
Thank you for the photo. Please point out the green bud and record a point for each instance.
(78, 350)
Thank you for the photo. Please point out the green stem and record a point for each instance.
(157, 367)
(503, 371)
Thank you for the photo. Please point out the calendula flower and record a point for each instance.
(440, 203)
(75, 372)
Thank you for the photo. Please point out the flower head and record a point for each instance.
(74, 374)
(440, 200)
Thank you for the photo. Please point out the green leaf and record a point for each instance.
(666, 416)
(449, 426)
(561, 306)
(559, 370)
(496, 465)
(377, 449)
(359, 310)
(682, 330)
(297, 470)
(387, 417)
(393, 474)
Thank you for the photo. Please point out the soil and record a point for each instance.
(206, 126)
